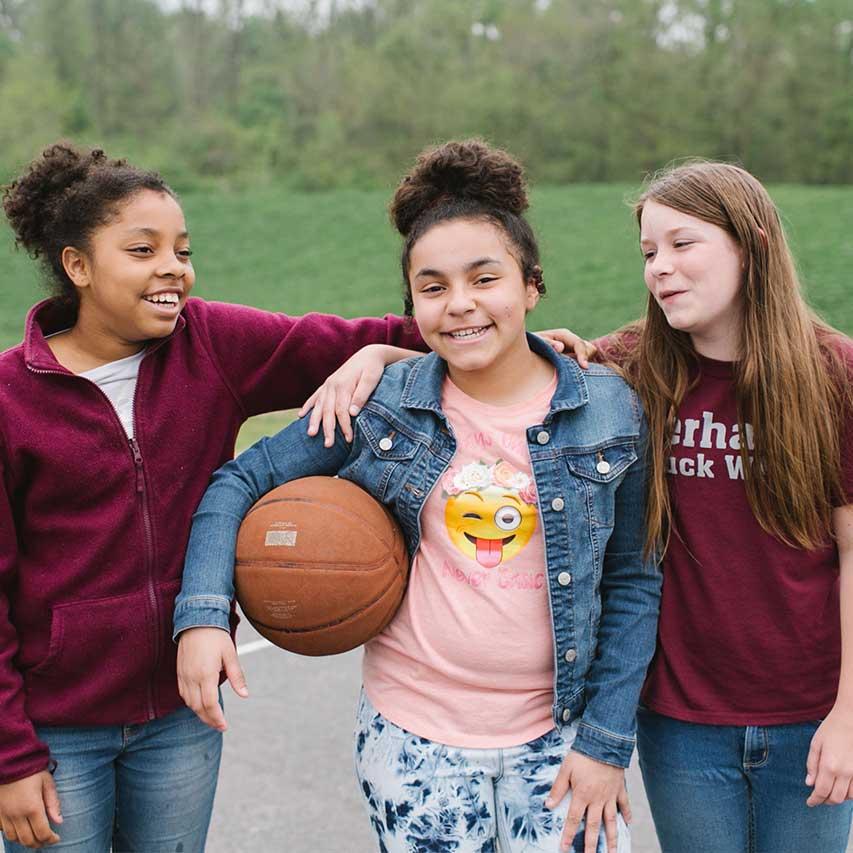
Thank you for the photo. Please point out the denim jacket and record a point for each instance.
(588, 461)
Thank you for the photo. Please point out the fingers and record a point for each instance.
(309, 403)
(318, 398)
(812, 761)
(40, 831)
(368, 380)
(624, 804)
(51, 800)
(202, 654)
(593, 828)
(560, 787)
(235, 674)
(611, 827)
(573, 822)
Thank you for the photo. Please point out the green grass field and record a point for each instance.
(336, 252)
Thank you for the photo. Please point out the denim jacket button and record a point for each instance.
(385, 443)
(564, 578)
(603, 467)
(566, 715)
(570, 656)
(557, 504)
(543, 437)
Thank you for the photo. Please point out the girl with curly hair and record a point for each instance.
(124, 396)
(511, 673)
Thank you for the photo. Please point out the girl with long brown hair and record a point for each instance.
(747, 716)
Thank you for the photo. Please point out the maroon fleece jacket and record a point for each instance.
(93, 527)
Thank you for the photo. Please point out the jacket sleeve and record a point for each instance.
(208, 579)
(272, 361)
(21, 753)
(627, 633)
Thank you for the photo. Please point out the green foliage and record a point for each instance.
(582, 90)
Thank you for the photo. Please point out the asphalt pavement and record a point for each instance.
(287, 783)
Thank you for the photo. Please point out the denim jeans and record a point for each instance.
(426, 797)
(145, 788)
(734, 789)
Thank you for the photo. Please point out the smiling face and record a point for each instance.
(489, 525)
(469, 296)
(136, 275)
(694, 271)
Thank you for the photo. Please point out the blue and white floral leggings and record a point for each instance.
(424, 797)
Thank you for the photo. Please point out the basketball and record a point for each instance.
(321, 566)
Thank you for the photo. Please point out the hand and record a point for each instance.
(25, 807)
(202, 654)
(342, 395)
(563, 340)
(829, 766)
(598, 791)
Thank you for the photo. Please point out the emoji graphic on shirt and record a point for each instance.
(490, 511)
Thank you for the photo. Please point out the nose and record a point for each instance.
(460, 300)
(172, 266)
(660, 264)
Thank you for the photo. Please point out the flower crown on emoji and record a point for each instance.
(477, 476)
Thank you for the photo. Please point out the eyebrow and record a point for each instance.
(668, 233)
(480, 262)
(152, 232)
(512, 498)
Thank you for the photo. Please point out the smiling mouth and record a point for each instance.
(489, 551)
(670, 294)
(468, 334)
(163, 300)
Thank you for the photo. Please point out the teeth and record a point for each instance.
(163, 298)
(468, 333)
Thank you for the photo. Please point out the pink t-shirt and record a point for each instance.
(468, 660)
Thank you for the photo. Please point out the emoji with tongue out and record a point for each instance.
(490, 511)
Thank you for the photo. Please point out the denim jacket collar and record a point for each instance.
(423, 387)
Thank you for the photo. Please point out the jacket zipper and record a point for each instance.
(146, 521)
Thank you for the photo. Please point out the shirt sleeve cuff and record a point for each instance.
(202, 611)
(603, 746)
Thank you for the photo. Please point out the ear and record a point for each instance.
(531, 294)
(763, 235)
(76, 266)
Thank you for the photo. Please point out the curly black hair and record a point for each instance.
(466, 179)
(63, 197)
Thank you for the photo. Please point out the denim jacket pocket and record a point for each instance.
(601, 470)
(386, 446)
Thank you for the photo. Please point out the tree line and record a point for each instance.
(324, 94)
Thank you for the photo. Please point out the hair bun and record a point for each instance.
(466, 171)
(31, 203)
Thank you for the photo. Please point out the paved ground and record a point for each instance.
(287, 782)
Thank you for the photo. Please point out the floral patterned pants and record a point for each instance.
(424, 797)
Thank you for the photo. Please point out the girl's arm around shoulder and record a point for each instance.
(208, 579)
(274, 361)
(630, 603)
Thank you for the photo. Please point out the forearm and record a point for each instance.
(843, 529)
(208, 579)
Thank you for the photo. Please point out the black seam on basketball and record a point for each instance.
(324, 625)
(332, 507)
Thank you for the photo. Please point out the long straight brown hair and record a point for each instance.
(791, 378)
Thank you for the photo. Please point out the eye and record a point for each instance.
(507, 518)
(648, 254)
(486, 279)
(680, 244)
(186, 254)
(473, 515)
(432, 289)
(141, 250)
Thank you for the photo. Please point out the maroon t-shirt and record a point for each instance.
(750, 627)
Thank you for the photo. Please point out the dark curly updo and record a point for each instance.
(465, 180)
(63, 197)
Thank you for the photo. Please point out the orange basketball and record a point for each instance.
(321, 566)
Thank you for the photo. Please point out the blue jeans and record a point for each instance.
(424, 797)
(734, 789)
(144, 788)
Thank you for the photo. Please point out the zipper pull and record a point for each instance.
(137, 461)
